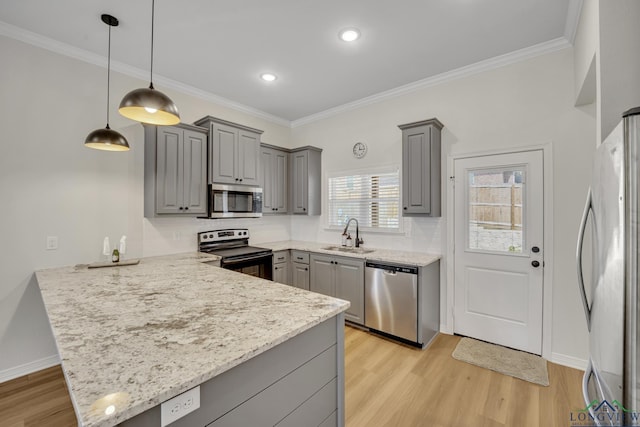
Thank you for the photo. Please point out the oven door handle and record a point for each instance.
(245, 259)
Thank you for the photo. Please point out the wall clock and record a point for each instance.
(359, 150)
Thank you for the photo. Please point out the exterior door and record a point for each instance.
(498, 250)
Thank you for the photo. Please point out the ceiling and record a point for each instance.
(220, 47)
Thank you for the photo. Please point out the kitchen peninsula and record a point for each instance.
(132, 337)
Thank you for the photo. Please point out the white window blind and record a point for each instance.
(372, 198)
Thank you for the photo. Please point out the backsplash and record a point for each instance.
(419, 234)
(162, 236)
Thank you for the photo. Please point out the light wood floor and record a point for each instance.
(38, 399)
(387, 384)
(394, 385)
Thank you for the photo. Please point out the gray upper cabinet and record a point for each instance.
(234, 152)
(274, 179)
(306, 180)
(342, 278)
(175, 170)
(249, 157)
(421, 168)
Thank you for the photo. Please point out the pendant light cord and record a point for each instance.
(153, 8)
(108, 74)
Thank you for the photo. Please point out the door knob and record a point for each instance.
(535, 249)
(535, 264)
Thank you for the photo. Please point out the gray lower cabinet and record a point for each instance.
(281, 267)
(342, 278)
(300, 269)
(306, 180)
(175, 170)
(421, 168)
(275, 180)
(298, 383)
(300, 275)
(234, 152)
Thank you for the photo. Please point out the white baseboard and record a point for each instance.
(29, 368)
(570, 361)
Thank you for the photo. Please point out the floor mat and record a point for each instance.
(518, 364)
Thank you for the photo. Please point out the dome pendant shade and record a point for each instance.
(106, 139)
(148, 105)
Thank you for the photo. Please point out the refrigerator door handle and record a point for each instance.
(583, 226)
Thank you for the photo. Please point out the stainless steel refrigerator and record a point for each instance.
(610, 298)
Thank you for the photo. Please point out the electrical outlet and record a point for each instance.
(52, 243)
(179, 406)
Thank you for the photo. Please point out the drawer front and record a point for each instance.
(280, 256)
(300, 256)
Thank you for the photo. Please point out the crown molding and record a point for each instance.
(469, 70)
(47, 43)
(65, 49)
(573, 19)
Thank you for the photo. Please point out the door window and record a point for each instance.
(495, 210)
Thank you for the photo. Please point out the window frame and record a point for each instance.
(386, 169)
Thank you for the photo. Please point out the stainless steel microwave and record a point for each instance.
(234, 201)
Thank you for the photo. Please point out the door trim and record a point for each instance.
(547, 287)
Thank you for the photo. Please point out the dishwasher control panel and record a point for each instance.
(394, 268)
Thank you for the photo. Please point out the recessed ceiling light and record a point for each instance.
(349, 34)
(268, 77)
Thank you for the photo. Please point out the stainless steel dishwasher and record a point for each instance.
(391, 300)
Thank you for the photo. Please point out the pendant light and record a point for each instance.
(147, 105)
(107, 138)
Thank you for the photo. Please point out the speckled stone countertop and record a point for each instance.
(132, 337)
(417, 259)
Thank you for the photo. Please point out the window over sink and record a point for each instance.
(372, 197)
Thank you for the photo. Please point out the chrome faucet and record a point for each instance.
(359, 241)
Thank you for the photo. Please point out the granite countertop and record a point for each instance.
(132, 337)
(417, 259)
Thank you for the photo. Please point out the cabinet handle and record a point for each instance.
(240, 179)
(306, 269)
(405, 208)
(304, 209)
(187, 208)
(236, 179)
(180, 208)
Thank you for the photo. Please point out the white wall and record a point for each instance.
(51, 185)
(619, 61)
(523, 104)
(585, 50)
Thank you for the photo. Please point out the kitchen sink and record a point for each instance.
(348, 250)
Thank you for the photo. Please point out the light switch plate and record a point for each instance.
(52, 243)
(179, 406)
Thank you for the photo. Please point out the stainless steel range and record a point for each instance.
(233, 246)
